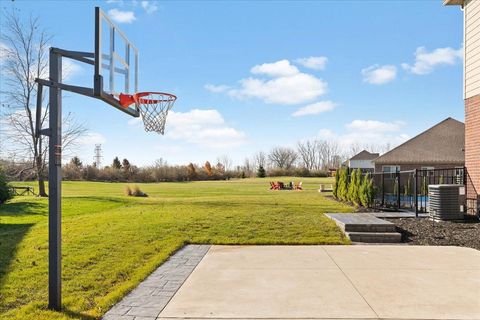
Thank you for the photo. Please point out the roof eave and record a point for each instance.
(453, 2)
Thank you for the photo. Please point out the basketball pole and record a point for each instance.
(54, 132)
(55, 185)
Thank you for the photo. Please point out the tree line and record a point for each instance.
(310, 158)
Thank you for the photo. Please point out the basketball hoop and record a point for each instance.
(153, 107)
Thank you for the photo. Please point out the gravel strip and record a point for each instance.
(442, 233)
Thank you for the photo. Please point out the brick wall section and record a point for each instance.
(472, 139)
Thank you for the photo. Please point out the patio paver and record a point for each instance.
(152, 295)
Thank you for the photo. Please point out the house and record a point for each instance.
(362, 160)
(471, 91)
(441, 146)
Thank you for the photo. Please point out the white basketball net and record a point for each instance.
(154, 107)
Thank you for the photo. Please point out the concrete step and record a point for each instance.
(361, 222)
(375, 237)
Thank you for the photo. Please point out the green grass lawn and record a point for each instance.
(111, 242)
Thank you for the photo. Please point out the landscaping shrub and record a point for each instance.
(408, 187)
(395, 187)
(366, 192)
(319, 173)
(127, 191)
(342, 191)
(357, 189)
(371, 192)
(6, 192)
(261, 173)
(335, 185)
(134, 192)
(424, 186)
(354, 187)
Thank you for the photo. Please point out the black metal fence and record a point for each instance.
(408, 190)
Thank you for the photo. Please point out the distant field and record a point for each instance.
(111, 242)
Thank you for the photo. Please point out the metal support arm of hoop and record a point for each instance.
(89, 93)
(85, 57)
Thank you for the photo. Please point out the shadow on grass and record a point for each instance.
(10, 236)
(23, 208)
(77, 315)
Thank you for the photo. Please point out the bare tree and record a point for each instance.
(355, 148)
(331, 154)
(370, 147)
(247, 167)
(308, 151)
(225, 161)
(283, 158)
(259, 160)
(25, 58)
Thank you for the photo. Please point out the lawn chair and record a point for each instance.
(298, 186)
(274, 185)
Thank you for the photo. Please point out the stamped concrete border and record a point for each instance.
(147, 300)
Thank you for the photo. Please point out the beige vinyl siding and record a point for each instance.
(472, 48)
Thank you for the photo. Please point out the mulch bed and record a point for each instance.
(443, 233)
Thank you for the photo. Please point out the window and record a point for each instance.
(390, 169)
(428, 171)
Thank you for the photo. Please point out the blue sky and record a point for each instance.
(253, 75)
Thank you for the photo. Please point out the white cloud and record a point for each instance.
(295, 89)
(92, 138)
(281, 68)
(326, 134)
(122, 16)
(374, 126)
(285, 85)
(149, 6)
(315, 108)
(377, 74)
(195, 118)
(315, 63)
(202, 127)
(425, 61)
(367, 133)
(115, 1)
(134, 121)
(216, 89)
(206, 128)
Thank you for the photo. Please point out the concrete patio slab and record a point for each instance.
(321, 282)
(263, 293)
(420, 293)
(267, 257)
(404, 257)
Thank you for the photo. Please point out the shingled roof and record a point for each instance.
(444, 143)
(364, 155)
